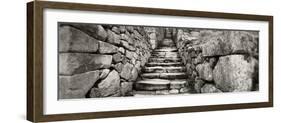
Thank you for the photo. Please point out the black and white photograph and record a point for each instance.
(102, 60)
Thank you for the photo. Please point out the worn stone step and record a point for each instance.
(165, 56)
(181, 75)
(165, 53)
(175, 55)
(152, 84)
(153, 64)
(166, 49)
(168, 59)
(149, 86)
(160, 69)
(167, 42)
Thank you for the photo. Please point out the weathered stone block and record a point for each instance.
(230, 42)
(96, 31)
(119, 67)
(210, 88)
(205, 71)
(74, 63)
(235, 73)
(121, 50)
(198, 85)
(74, 40)
(129, 54)
(107, 48)
(130, 29)
(113, 38)
(104, 73)
(134, 74)
(118, 57)
(126, 71)
(116, 30)
(127, 88)
(78, 85)
(110, 86)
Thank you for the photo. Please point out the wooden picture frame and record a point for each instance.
(35, 46)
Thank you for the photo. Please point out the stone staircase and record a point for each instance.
(164, 73)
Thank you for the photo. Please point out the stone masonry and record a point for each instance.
(115, 60)
(219, 61)
(101, 60)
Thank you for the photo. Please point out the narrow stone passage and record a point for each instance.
(164, 73)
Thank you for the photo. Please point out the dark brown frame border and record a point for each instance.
(35, 60)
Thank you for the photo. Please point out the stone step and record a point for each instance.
(168, 59)
(152, 84)
(180, 75)
(147, 86)
(160, 69)
(166, 49)
(167, 42)
(154, 64)
(175, 55)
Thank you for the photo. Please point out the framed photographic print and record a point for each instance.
(90, 61)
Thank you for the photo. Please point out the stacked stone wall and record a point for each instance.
(219, 61)
(101, 60)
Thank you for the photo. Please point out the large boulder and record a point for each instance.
(235, 73)
(74, 40)
(78, 85)
(231, 42)
(96, 31)
(110, 86)
(74, 63)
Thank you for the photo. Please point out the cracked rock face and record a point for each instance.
(110, 86)
(235, 73)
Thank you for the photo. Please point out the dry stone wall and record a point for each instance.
(219, 61)
(101, 60)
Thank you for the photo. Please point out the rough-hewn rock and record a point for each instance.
(234, 73)
(134, 74)
(205, 71)
(78, 85)
(122, 29)
(104, 73)
(197, 85)
(130, 29)
(113, 38)
(121, 50)
(96, 31)
(119, 67)
(118, 57)
(74, 40)
(127, 88)
(126, 71)
(210, 88)
(116, 29)
(129, 54)
(110, 86)
(230, 42)
(107, 48)
(174, 91)
(74, 63)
